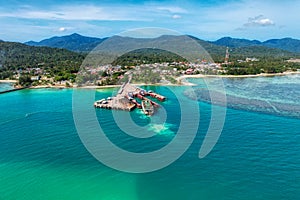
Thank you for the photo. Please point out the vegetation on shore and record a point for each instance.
(19, 61)
(147, 56)
(49, 66)
(266, 65)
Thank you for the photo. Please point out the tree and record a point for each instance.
(25, 80)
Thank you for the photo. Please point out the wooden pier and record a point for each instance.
(126, 98)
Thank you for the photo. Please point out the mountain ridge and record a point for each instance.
(16, 56)
(79, 43)
(288, 44)
(73, 42)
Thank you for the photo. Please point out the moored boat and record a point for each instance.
(147, 107)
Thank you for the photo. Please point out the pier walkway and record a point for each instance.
(125, 98)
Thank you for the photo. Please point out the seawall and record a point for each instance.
(12, 90)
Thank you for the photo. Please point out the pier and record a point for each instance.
(127, 99)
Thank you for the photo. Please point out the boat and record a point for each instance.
(147, 107)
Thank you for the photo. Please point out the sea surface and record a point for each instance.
(257, 156)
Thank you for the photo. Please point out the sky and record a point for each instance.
(22, 21)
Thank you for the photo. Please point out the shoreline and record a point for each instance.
(238, 76)
(8, 81)
(104, 86)
(181, 79)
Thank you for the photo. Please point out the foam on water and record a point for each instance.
(162, 129)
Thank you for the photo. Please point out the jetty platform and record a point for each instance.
(128, 98)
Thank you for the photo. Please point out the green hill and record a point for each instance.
(147, 56)
(287, 44)
(17, 56)
(239, 48)
(62, 63)
(74, 42)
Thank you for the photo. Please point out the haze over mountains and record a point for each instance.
(79, 43)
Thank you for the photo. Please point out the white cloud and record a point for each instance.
(259, 20)
(211, 21)
(229, 19)
(172, 9)
(77, 12)
(93, 12)
(176, 16)
(62, 29)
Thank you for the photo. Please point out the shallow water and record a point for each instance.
(277, 95)
(5, 86)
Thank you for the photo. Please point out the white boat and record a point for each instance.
(147, 107)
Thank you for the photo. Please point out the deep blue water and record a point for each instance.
(256, 157)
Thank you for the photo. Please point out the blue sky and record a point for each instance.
(211, 19)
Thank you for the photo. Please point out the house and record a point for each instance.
(189, 71)
(35, 78)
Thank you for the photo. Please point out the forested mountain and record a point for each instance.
(288, 44)
(17, 56)
(239, 48)
(147, 56)
(241, 52)
(20, 55)
(74, 42)
(62, 64)
(235, 42)
(79, 43)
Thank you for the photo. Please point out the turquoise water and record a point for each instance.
(278, 95)
(256, 157)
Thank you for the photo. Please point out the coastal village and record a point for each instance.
(159, 73)
(164, 73)
(102, 75)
